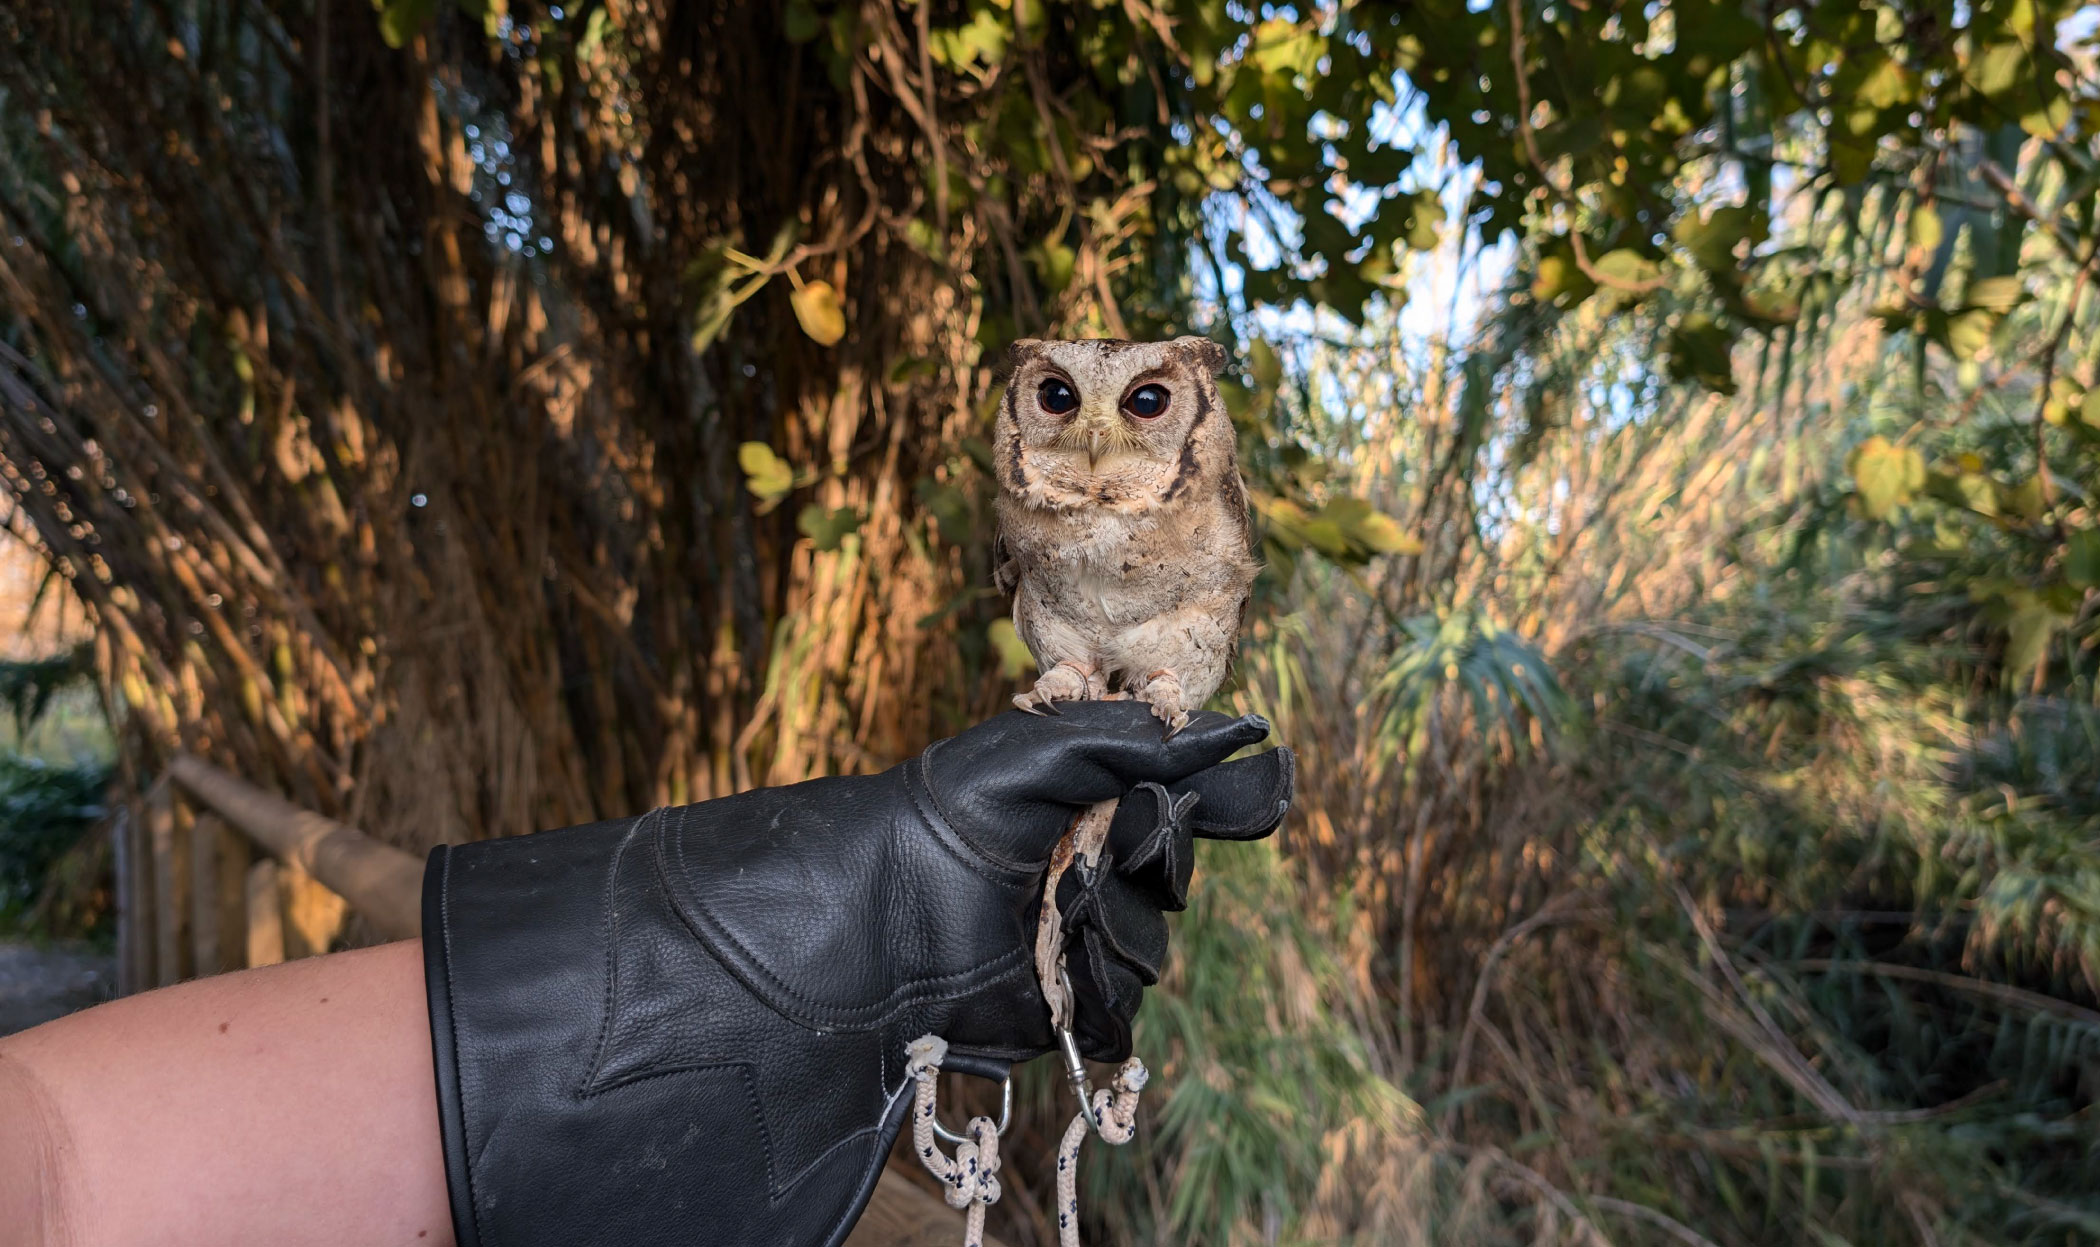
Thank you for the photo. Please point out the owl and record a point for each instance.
(1123, 532)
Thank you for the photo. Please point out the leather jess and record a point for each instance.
(689, 1026)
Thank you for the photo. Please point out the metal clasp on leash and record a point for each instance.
(1075, 1069)
(1006, 1115)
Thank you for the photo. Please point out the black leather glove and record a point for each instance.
(689, 1027)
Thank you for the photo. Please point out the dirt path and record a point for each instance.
(38, 983)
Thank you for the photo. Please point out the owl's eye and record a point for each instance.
(1056, 396)
(1147, 402)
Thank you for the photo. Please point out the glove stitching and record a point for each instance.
(452, 1006)
(1090, 919)
(612, 883)
(747, 1078)
(1260, 819)
(931, 809)
(795, 1179)
(817, 1016)
(1172, 812)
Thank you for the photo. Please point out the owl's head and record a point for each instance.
(1105, 405)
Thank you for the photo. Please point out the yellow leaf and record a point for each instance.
(817, 307)
(766, 474)
(1382, 534)
(1887, 475)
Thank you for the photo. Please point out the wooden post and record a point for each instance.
(167, 888)
(204, 895)
(134, 900)
(231, 888)
(265, 915)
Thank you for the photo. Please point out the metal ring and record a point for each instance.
(1006, 1115)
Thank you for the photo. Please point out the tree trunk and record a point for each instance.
(377, 403)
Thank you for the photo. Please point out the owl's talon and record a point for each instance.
(1067, 681)
(1030, 703)
(1163, 692)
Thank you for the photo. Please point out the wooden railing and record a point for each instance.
(194, 897)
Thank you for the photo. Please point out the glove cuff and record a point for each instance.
(603, 1078)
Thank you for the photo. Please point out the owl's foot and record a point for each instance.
(1067, 681)
(1163, 692)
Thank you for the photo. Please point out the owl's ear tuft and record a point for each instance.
(1205, 352)
(1018, 353)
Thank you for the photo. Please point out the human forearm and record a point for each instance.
(288, 1106)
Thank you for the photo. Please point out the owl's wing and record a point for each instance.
(1006, 570)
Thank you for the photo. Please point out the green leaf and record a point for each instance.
(400, 21)
(950, 509)
(2023, 499)
(2082, 559)
(827, 530)
(2029, 630)
(2048, 120)
(1968, 334)
(798, 21)
(1266, 365)
(1998, 70)
(1995, 294)
(1970, 490)
(1889, 85)
(910, 368)
(1886, 475)
(1712, 240)
(818, 310)
(1381, 534)
(983, 41)
(1424, 222)
(1282, 46)
(1053, 263)
(1924, 228)
(1701, 350)
(1014, 659)
(766, 474)
(1626, 275)
(1560, 281)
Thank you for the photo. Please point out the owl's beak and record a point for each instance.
(1095, 437)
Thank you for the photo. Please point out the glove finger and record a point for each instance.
(1012, 783)
(1244, 799)
(1095, 750)
(1124, 917)
(1106, 994)
(1150, 842)
(1151, 838)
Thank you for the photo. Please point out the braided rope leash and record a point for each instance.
(971, 1176)
(1115, 1120)
(970, 1179)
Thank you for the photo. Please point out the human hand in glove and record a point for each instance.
(690, 1026)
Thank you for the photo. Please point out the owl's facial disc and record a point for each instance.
(1108, 409)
